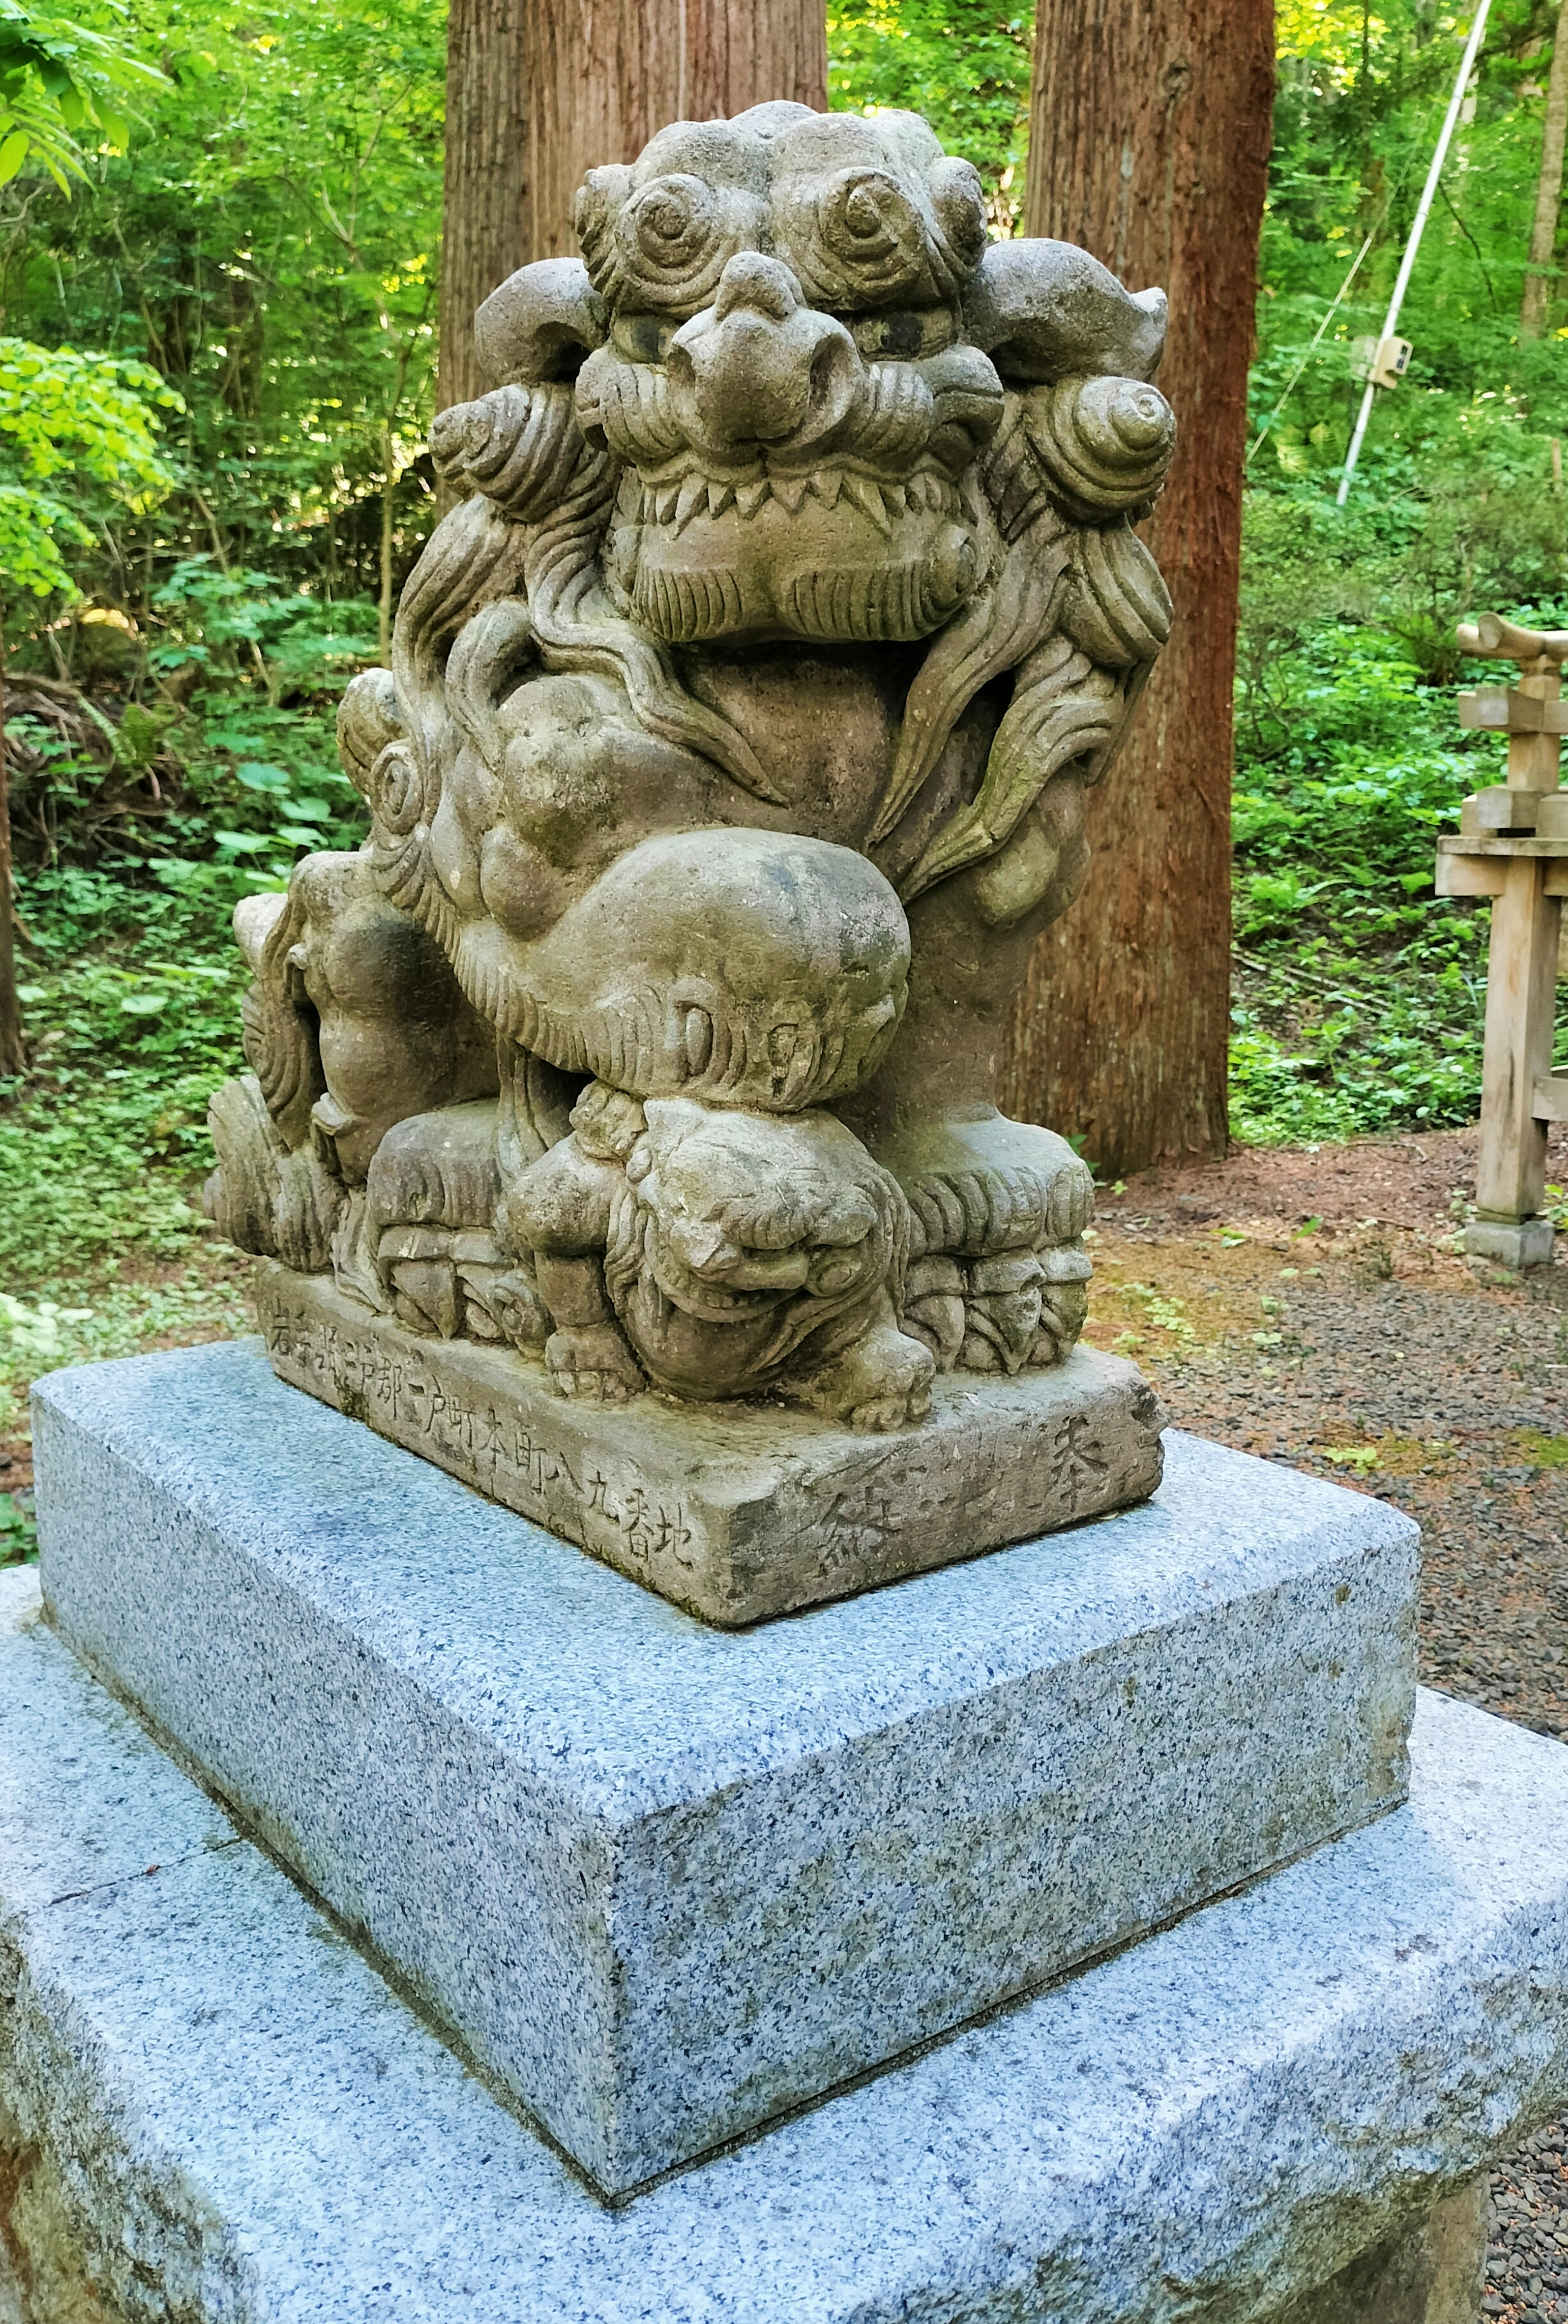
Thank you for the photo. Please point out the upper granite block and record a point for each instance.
(665, 1881)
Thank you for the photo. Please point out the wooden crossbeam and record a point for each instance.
(1506, 843)
(1494, 639)
(1507, 710)
(1505, 807)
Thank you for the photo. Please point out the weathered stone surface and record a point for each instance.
(736, 1512)
(665, 1880)
(734, 756)
(1512, 1242)
(1431, 2274)
(245, 2123)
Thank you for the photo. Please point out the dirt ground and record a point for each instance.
(1314, 1308)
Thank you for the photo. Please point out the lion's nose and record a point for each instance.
(759, 365)
(764, 284)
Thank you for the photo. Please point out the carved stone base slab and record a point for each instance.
(735, 1512)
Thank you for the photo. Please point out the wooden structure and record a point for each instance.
(1512, 846)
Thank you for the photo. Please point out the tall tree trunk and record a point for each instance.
(1548, 189)
(1150, 124)
(13, 1049)
(539, 92)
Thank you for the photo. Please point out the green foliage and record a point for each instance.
(130, 978)
(134, 1009)
(1362, 96)
(1362, 991)
(266, 244)
(64, 415)
(18, 1529)
(963, 63)
(61, 80)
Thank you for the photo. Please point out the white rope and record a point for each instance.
(1312, 350)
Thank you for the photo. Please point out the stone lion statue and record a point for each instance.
(732, 759)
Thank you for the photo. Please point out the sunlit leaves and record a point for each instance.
(64, 414)
(963, 63)
(63, 85)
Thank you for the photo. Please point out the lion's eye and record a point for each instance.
(902, 334)
(672, 241)
(643, 339)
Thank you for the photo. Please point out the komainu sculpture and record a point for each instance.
(733, 757)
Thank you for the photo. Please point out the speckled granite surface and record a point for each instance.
(666, 1881)
(227, 2115)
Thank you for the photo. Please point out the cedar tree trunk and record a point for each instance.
(1548, 189)
(13, 1049)
(1150, 123)
(539, 92)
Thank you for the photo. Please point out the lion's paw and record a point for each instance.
(881, 1383)
(593, 1363)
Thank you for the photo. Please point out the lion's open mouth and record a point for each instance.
(839, 554)
(676, 500)
(710, 1303)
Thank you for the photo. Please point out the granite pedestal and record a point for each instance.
(664, 1882)
(215, 2110)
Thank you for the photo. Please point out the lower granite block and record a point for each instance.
(664, 1881)
(213, 2108)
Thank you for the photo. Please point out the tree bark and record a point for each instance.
(539, 92)
(12, 1049)
(1539, 276)
(1150, 126)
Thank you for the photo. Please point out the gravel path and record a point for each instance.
(1315, 1310)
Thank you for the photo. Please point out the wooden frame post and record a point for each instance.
(1521, 993)
(1513, 845)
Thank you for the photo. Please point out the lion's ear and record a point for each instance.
(1047, 310)
(601, 197)
(959, 199)
(539, 324)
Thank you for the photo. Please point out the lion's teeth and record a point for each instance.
(896, 499)
(827, 484)
(665, 501)
(749, 498)
(693, 495)
(720, 497)
(790, 491)
(866, 497)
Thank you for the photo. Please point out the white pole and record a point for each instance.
(1406, 265)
